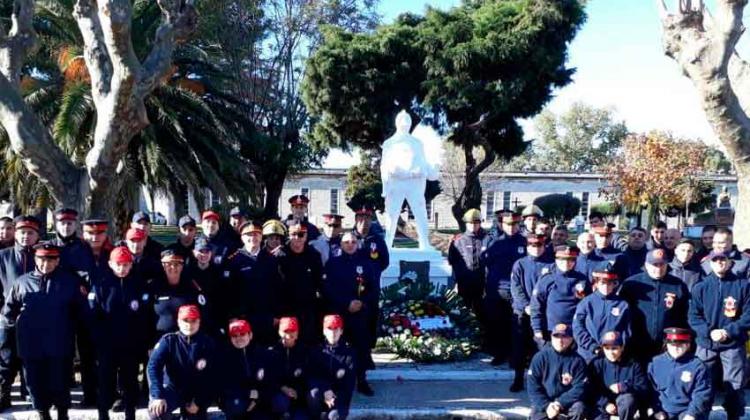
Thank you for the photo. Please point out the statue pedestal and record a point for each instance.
(440, 270)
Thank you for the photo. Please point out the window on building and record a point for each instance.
(506, 199)
(489, 211)
(213, 199)
(305, 191)
(585, 204)
(334, 201)
(429, 210)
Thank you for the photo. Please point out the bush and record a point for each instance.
(607, 209)
(559, 207)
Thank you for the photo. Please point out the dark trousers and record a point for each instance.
(319, 409)
(87, 364)
(118, 369)
(471, 289)
(626, 408)
(235, 408)
(358, 336)
(729, 365)
(10, 364)
(496, 322)
(284, 407)
(174, 402)
(522, 341)
(48, 381)
(576, 411)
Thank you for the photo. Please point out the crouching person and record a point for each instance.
(618, 383)
(557, 378)
(681, 382)
(290, 368)
(246, 379)
(182, 369)
(333, 376)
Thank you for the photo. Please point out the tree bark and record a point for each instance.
(704, 46)
(471, 195)
(274, 186)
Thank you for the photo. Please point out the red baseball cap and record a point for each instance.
(121, 255)
(210, 214)
(135, 234)
(333, 322)
(288, 324)
(187, 312)
(239, 327)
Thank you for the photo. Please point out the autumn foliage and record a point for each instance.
(655, 170)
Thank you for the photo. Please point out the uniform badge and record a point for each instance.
(217, 260)
(261, 374)
(360, 281)
(669, 299)
(202, 300)
(686, 376)
(730, 307)
(360, 270)
(297, 372)
(545, 271)
(374, 251)
(580, 289)
(92, 296)
(566, 378)
(201, 364)
(254, 394)
(134, 305)
(615, 311)
(340, 373)
(226, 274)
(521, 250)
(144, 297)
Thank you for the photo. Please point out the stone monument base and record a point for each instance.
(440, 270)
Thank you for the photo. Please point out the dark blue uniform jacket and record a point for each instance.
(720, 304)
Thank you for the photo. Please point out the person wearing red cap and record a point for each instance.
(498, 256)
(43, 306)
(14, 263)
(302, 274)
(222, 245)
(298, 205)
(120, 308)
(247, 383)
(141, 220)
(557, 294)
(680, 381)
(290, 362)
(183, 370)
(145, 265)
(332, 375)
(171, 290)
(256, 285)
(349, 290)
(7, 232)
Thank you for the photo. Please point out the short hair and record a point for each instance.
(708, 228)
(724, 231)
(660, 225)
(6, 219)
(596, 215)
(638, 229)
(560, 227)
(543, 221)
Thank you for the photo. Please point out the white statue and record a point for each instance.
(404, 170)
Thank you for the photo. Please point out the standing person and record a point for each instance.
(43, 305)
(350, 292)
(298, 205)
(498, 258)
(657, 236)
(587, 259)
(214, 294)
(557, 294)
(333, 373)
(559, 236)
(302, 277)
(169, 292)
(657, 300)
(145, 265)
(7, 232)
(329, 243)
(707, 240)
(237, 217)
(182, 370)
(684, 266)
(618, 383)
(120, 323)
(464, 257)
(636, 250)
(291, 366)
(14, 263)
(221, 246)
(95, 235)
(186, 237)
(610, 255)
(525, 275)
(531, 216)
(720, 316)
(141, 220)
(274, 236)
(723, 242)
(671, 239)
(681, 383)
(557, 379)
(74, 255)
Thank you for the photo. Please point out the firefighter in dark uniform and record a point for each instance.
(141, 220)
(329, 243)
(186, 238)
(556, 295)
(684, 266)
(333, 373)
(526, 273)
(706, 244)
(587, 259)
(44, 305)
(680, 382)
(237, 217)
(611, 255)
(498, 258)
(182, 370)
(214, 291)
(291, 366)
(723, 241)
(635, 251)
(169, 292)
(75, 254)
(14, 263)
(247, 383)
(601, 311)
(95, 235)
(145, 266)
(298, 205)
(349, 290)
(657, 301)
(463, 256)
(221, 246)
(255, 281)
(618, 383)
(7, 232)
(557, 379)
(531, 216)
(302, 277)
(720, 316)
(274, 236)
(120, 315)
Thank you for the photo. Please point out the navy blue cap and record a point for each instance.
(140, 215)
(562, 330)
(656, 256)
(201, 244)
(186, 220)
(611, 338)
(237, 212)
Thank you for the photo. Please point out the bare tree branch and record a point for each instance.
(94, 49)
(19, 41)
(115, 18)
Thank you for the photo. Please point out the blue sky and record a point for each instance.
(620, 64)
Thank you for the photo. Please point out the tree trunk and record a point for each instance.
(471, 195)
(274, 187)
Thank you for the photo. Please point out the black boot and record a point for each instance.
(62, 414)
(103, 414)
(517, 385)
(364, 388)
(44, 415)
(5, 402)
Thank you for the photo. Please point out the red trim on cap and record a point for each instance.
(678, 337)
(210, 214)
(605, 276)
(42, 252)
(188, 312)
(66, 216)
(27, 224)
(239, 327)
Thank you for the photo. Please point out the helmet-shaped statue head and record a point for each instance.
(403, 122)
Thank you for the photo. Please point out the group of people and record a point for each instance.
(615, 326)
(270, 319)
